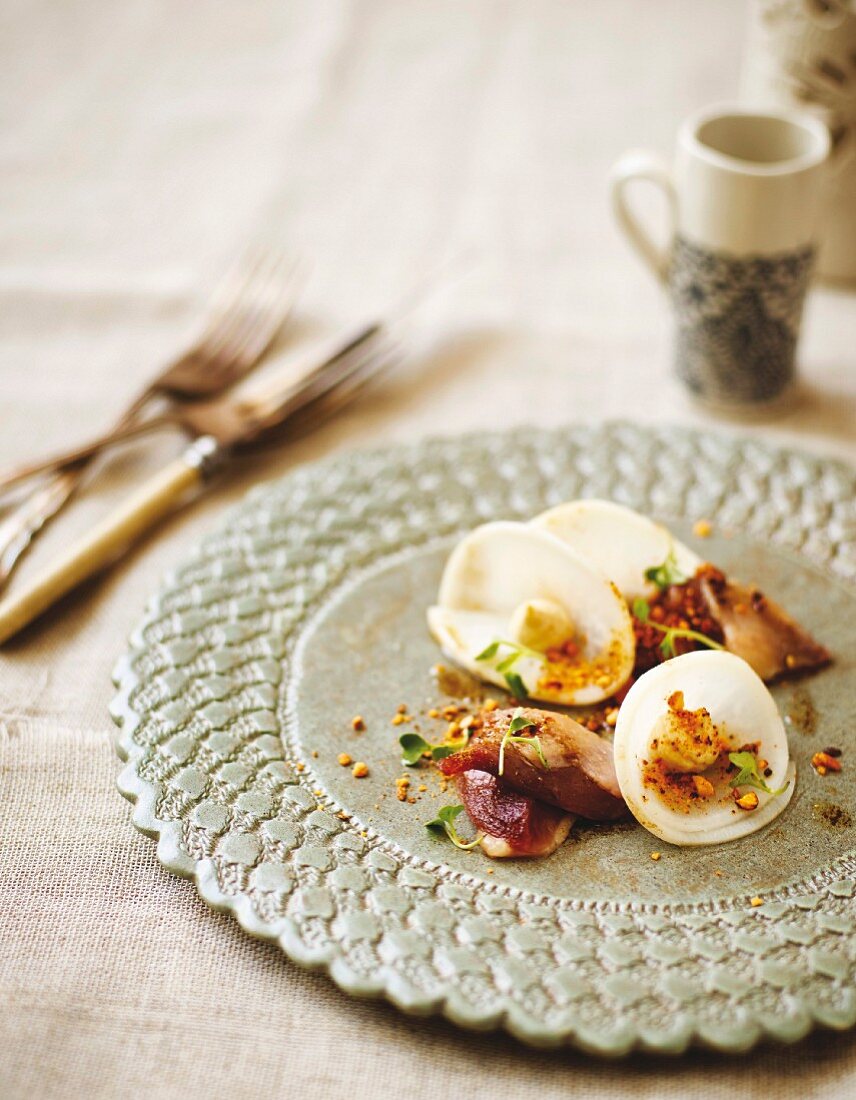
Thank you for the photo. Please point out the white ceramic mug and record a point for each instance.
(744, 204)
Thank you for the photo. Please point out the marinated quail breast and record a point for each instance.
(514, 825)
(757, 629)
(576, 775)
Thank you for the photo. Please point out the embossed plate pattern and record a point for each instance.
(233, 684)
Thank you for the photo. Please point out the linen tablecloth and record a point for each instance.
(142, 144)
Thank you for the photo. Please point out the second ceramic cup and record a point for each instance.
(744, 203)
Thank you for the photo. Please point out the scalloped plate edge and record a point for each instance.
(740, 1036)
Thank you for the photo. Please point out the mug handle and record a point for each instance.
(638, 164)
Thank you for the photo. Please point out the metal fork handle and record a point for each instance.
(127, 429)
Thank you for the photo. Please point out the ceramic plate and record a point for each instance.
(306, 607)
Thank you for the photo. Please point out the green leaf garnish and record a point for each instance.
(517, 649)
(506, 665)
(667, 646)
(748, 775)
(519, 721)
(444, 825)
(667, 573)
(642, 611)
(516, 685)
(413, 748)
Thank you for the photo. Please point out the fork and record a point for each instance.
(221, 427)
(246, 311)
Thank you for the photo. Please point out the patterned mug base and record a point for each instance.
(738, 321)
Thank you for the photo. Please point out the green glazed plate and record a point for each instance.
(306, 607)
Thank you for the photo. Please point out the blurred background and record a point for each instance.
(389, 144)
(144, 142)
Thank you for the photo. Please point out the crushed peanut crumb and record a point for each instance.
(655, 856)
(358, 722)
(702, 528)
(748, 801)
(823, 762)
(755, 902)
(344, 759)
(433, 713)
(402, 708)
(704, 787)
(422, 787)
(611, 716)
(360, 770)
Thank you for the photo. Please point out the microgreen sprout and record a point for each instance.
(506, 665)
(444, 825)
(642, 611)
(516, 685)
(749, 775)
(667, 573)
(414, 747)
(519, 722)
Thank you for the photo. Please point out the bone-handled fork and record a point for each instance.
(246, 311)
(221, 427)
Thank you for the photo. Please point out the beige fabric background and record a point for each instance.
(141, 143)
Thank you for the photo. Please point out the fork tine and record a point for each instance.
(333, 383)
(282, 294)
(254, 326)
(314, 412)
(264, 315)
(248, 307)
(229, 292)
(330, 372)
(233, 316)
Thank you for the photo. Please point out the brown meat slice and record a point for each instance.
(757, 629)
(580, 777)
(513, 824)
